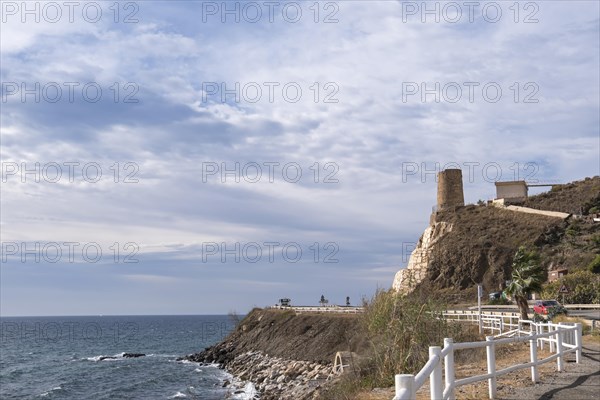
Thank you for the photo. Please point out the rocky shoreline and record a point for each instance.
(283, 354)
(275, 378)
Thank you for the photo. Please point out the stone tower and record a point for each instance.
(450, 189)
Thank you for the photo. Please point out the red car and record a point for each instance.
(543, 306)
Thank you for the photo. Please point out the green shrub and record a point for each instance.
(539, 318)
(502, 301)
(584, 288)
(556, 311)
(594, 266)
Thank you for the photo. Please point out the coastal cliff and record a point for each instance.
(420, 258)
(286, 355)
(473, 244)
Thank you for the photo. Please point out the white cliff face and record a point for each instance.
(406, 279)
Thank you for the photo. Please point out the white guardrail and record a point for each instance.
(326, 309)
(561, 339)
(531, 303)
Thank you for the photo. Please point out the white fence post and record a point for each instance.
(559, 337)
(491, 365)
(406, 382)
(533, 353)
(578, 333)
(559, 348)
(435, 380)
(449, 366)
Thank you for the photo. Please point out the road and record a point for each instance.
(587, 314)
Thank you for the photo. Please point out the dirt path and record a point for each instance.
(577, 382)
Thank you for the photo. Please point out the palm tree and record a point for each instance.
(527, 278)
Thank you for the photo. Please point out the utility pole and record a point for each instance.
(479, 295)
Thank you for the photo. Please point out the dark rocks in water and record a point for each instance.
(221, 354)
(125, 355)
(133, 355)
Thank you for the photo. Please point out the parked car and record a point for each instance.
(545, 306)
(495, 295)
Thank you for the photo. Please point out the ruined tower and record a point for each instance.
(450, 189)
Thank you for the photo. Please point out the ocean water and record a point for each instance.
(61, 358)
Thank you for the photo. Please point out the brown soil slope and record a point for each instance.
(285, 334)
(572, 198)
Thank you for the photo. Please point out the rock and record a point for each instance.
(133, 355)
(275, 378)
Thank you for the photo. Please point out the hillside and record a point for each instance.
(278, 333)
(475, 244)
(288, 356)
(573, 198)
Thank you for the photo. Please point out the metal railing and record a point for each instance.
(561, 338)
(531, 302)
(325, 309)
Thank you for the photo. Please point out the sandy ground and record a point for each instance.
(577, 382)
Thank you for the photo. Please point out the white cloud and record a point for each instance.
(369, 133)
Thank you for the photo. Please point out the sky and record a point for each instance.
(189, 157)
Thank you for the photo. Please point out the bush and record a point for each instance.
(400, 330)
(594, 266)
(584, 288)
(539, 318)
(501, 301)
(556, 311)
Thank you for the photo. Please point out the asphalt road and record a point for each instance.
(587, 314)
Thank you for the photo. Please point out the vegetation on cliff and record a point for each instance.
(399, 330)
(286, 334)
(583, 288)
(579, 197)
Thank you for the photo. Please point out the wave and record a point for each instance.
(177, 395)
(162, 355)
(248, 393)
(104, 357)
(50, 391)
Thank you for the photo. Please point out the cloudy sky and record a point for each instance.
(189, 157)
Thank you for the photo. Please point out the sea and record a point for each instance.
(83, 358)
